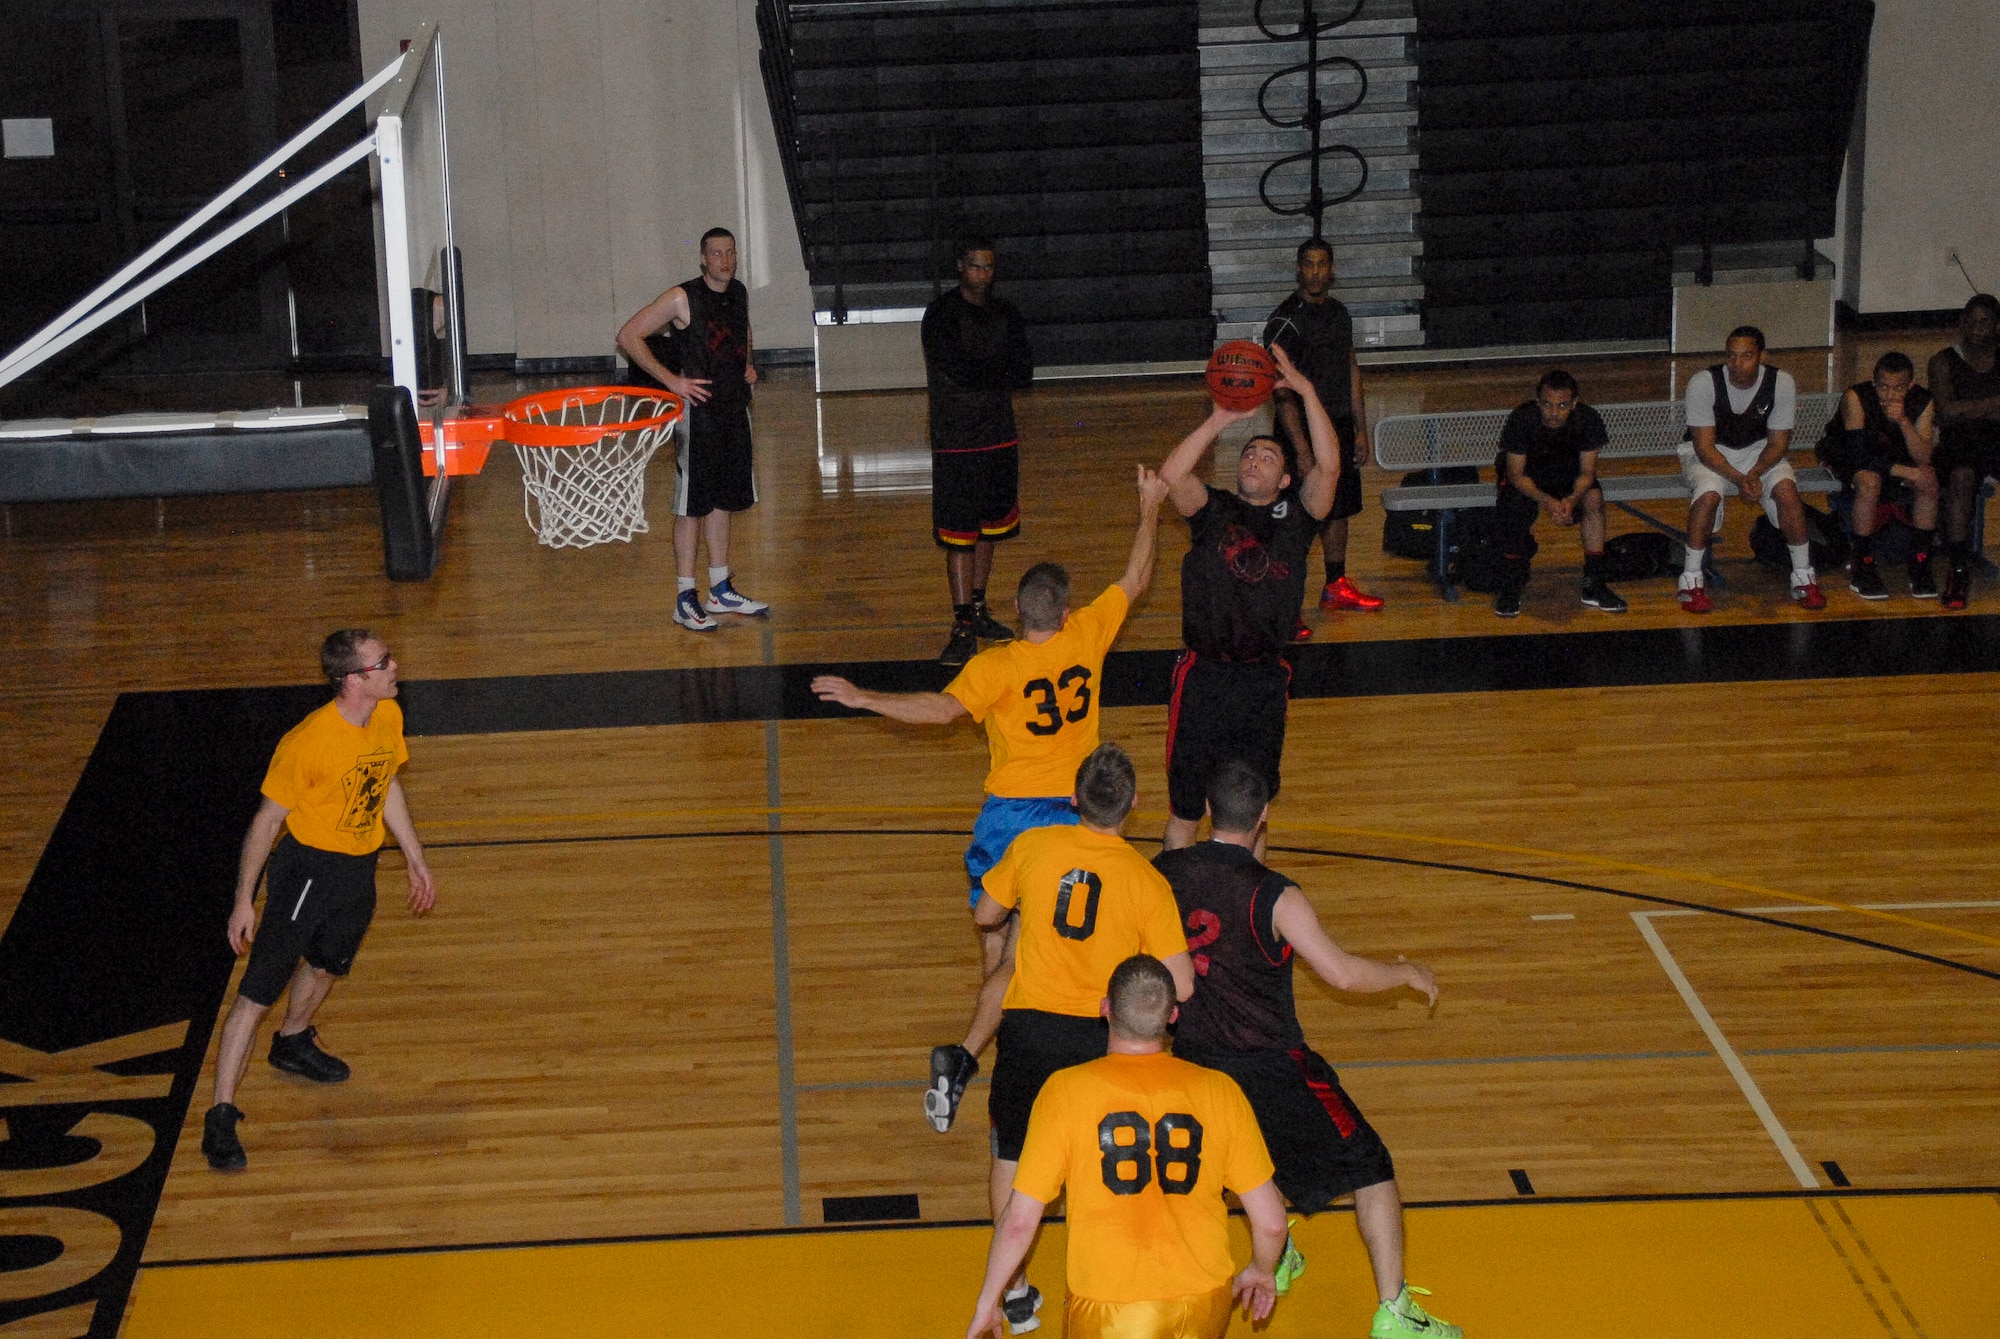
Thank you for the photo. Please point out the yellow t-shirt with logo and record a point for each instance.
(333, 778)
(1038, 701)
(1145, 1144)
(1088, 901)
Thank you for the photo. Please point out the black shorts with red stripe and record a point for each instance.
(1219, 711)
(976, 495)
(1320, 1143)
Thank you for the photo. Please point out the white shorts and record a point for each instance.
(1701, 479)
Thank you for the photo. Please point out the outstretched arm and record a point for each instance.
(1190, 495)
(1316, 492)
(910, 708)
(1139, 565)
(1296, 920)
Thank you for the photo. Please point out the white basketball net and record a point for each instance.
(576, 496)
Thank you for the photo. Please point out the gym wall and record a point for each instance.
(1928, 165)
(592, 145)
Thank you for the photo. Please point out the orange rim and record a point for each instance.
(522, 431)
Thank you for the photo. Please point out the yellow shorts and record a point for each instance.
(1195, 1316)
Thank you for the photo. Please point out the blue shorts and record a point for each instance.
(1000, 821)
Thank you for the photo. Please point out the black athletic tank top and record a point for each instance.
(1884, 436)
(1244, 576)
(1968, 383)
(1733, 429)
(1243, 975)
(715, 343)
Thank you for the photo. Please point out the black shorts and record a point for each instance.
(1515, 513)
(317, 906)
(975, 495)
(1219, 710)
(715, 471)
(1031, 1046)
(1968, 446)
(1320, 1143)
(1347, 489)
(1846, 461)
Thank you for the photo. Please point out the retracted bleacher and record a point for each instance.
(1567, 149)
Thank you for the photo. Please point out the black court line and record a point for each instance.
(745, 1234)
(1739, 653)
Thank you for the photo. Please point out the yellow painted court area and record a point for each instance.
(1910, 1267)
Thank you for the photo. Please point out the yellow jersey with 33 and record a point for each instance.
(1038, 701)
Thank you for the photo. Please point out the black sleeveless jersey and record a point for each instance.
(1733, 429)
(1243, 974)
(715, 343)
(1244, 576)
(1968, 383)
(1885, 437)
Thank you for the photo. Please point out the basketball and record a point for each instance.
(1241, 375)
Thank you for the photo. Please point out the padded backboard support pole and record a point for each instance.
(409, 546)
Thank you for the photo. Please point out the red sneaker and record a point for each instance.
(1344, 594)
(1808, 596)
(1695, 600)
(1300, 631)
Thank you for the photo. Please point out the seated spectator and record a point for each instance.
(1883, 456)
(1548, 467)
(1965, 387)
(1740, 416)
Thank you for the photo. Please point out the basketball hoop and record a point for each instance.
(583, 454)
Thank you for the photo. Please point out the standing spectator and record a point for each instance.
(976, 356)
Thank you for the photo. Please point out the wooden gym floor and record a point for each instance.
(1717, 921)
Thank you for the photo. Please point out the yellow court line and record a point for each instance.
(1647, 1270)
(1380, 834)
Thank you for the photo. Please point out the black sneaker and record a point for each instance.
(1507, 603)
(1923, 584)
(1957, 586)
(1867, 582)
(963, 646)
(1020, 1308)
(952, 1067)
(1600, 596)
(987, 627)
(299, 1054)
(219, 1143)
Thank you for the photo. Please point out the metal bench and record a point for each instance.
(1648, 430)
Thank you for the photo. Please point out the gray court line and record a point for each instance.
(1726, 1053)
(781, 965)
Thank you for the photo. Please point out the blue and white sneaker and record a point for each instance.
(687, 613)
(726, 599)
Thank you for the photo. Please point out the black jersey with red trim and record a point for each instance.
(715, 343)
(1245, 575)
(1243, 972)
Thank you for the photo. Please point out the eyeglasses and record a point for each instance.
(381, 664)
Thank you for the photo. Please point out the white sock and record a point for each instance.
(684, 583)
(1012, 1293)
(717, 576)
(1691, 567)
(1801, 557)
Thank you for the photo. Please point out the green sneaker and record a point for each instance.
(1291, 1264)
(1393, 1320)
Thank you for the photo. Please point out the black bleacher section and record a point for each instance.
(1071, 133)
(1566, 148)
